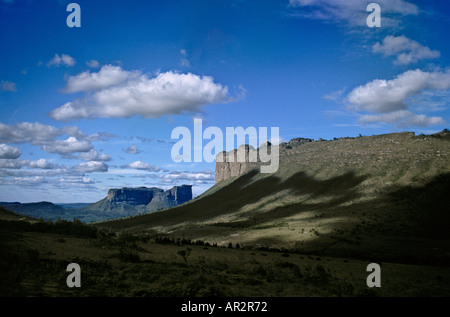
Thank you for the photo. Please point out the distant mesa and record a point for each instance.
(133, 196)
(128, 201)
(154, 198)
(123, 202)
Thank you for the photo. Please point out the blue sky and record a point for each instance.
(91, 108)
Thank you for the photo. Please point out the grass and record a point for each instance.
(402, 219)
(133, 266)
(310, 229)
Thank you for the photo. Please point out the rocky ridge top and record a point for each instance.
(323, 157)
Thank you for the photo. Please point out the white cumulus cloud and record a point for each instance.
(63, 59)
(107, 76)
(138, 165)
(18, 164)
(407, 51)
(116, 93)
(48, 137)
(387, 100)
(70, 145)
(42, 164)
(132, 149)
(12, 163)
(9, 152)
(91, 167)
(93, 155)
(186, 177)
(382, 95)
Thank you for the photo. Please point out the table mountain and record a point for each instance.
(122, 202)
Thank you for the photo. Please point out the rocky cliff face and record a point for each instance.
(230, 164)
(175, 196)
(246, 158)
(132, 201)
(133, 196)
(322, 156)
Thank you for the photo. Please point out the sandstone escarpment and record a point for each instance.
(395, 155)
(132, 201)
(133, 196)
(231, 164)
(175, 196)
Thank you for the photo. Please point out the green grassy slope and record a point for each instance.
(371, 197)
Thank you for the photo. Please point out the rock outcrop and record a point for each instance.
(132, 201)
(232, 163)
(325, 156)
(170, 198)
(133, 196)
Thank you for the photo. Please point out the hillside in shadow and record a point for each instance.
(242, 192)
(329, 217)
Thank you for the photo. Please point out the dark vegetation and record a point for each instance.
(73, 228)
(35, 255)
(404, 230)
(34, 262)
(128, 266)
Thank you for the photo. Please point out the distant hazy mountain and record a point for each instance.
(43, 209)
(73, 205)
(9, 215)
